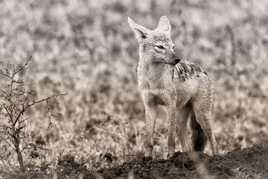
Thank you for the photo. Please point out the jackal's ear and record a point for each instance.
(164, 25)
(140, 31)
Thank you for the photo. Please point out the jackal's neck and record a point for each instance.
(149, 70)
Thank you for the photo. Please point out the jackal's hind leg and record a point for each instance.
(203, 120)
(199, 138)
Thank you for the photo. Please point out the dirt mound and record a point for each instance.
(246, 163)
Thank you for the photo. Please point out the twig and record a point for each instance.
(45, 99)
(22, 67)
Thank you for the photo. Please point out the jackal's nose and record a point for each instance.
(177, 60)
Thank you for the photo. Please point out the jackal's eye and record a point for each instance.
(160, 47)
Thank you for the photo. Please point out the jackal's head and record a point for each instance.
(155, 45)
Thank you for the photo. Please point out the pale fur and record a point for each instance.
(180, 87)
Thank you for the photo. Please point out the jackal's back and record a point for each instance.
(191, 82)
(185, 70)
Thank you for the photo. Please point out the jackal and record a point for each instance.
(182, 88)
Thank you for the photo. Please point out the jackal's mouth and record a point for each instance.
(174, 62)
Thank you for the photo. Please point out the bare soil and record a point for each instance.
(247, 163)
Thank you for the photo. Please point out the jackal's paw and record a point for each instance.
(147, 158)
(148, 152)
(170, 154)
(141, 156)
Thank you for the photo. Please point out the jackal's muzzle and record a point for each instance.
(174, 60)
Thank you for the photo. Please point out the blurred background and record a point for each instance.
(85, 48)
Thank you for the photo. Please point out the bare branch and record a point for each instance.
(19, 115)
(4, 92)
(43, 100)
(24, 108)
(4, 74)
(8, 113)
(22, 67)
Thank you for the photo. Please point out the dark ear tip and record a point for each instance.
(143, 35)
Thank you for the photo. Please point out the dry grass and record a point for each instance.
(86, 49)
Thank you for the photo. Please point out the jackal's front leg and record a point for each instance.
(151, 115)
(171, 112)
